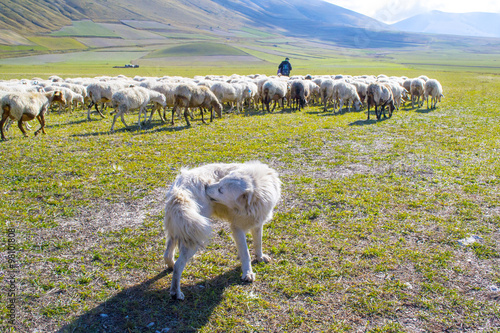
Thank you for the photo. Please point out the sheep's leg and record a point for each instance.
(100, 113)
(122, 117)
(368, 102)
(88, 111)
(186, 112)
(140, 114)
(173, 112)
(41, 120)
(20, 125)
(114, 120)
(165, 113)
(151, 114)
(5, 116)
(202, 118)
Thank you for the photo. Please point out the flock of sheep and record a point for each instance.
(23, 100)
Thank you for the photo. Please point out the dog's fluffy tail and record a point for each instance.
(183, 221)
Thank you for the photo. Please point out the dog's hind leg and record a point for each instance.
(257, 244)
(185, 253)
(169, 254)
(246, 265)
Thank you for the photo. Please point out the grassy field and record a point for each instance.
(198, 49)
(365, 238)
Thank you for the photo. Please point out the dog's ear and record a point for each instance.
(245, 198)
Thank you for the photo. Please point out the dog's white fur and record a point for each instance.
(242, 194)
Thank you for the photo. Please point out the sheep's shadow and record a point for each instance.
(424, 110)
(368, 121)
(146, 307)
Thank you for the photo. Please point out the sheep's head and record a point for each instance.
(357, 104)
(58, 97)
(217, 107)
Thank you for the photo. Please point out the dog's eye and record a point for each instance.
(220, 190)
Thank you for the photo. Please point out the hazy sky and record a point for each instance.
(390, 11)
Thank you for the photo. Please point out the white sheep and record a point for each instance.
(379, 95)
(347, 93)
(398, 93)
(168, 90)
(69, 95)
(188, 95)
(433, 89)
(329, 92)
(226, 93)
(102, 92)
(361, 88)
(417, 91)
(26, 106)
(273, 90)
(134, 98)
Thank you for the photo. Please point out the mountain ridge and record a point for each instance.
(475, 24)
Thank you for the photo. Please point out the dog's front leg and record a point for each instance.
(244, 254)
(257, 243)
(185, 253)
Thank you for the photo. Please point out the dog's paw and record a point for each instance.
(264, 258)
(248, 277)
(170, 263)
(177, 295)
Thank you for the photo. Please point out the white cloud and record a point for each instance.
(391, 11)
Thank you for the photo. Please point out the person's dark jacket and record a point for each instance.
(285, 68)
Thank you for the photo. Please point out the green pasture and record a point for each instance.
(58, 43)
(197, 49)
(365, 237)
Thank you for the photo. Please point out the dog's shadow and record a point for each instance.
(146, 307)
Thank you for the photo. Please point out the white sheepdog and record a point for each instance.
(242, 194)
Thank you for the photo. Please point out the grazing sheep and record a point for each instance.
(273, 90)
(379, 95)
(314, 91)
(26, 106)
(398, 93)
(434, 89)
(299, 93)
(226, 93)
(417, 91)
(168, 90)
(361, 88)
(329, 93)
(347, 93)
(188, 95)
(134, 98)
(102, 92)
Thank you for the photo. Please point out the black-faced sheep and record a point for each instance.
(299, 93)
(379, 95)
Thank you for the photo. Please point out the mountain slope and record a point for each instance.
(464, 24)
(310, 19)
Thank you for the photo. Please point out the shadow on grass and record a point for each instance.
(370, 121)
(135, 308)
(424, 110)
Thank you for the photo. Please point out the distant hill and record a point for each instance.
(297, 18)
(464, 24)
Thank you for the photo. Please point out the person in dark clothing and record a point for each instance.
(285, 67)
